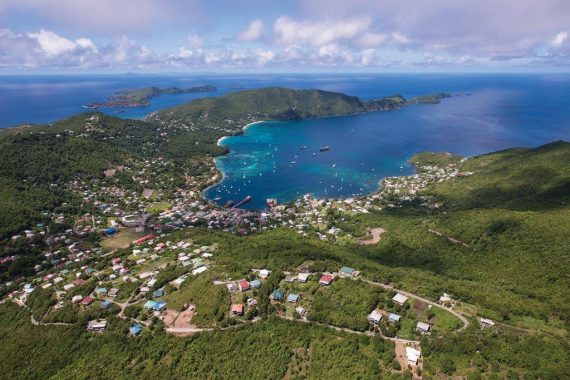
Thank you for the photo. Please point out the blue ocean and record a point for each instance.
(490, 112)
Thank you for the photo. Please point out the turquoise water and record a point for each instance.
(503, 111)
(267, 162)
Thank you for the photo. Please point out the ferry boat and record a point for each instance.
(324, 148)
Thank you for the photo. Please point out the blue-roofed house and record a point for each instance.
(149, 304)
(277, 294)
(394, 318)
(293, 298)
(158, 293)
(158, 306)
(101, 291)
(106, 304)
(110, 231)
(256, 284)
(89, 270)
(135, 329)
(347, 271)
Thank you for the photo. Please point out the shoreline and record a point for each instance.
(243, 130)
(222, 174)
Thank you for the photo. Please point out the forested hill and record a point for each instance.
(266, 103)
(277, 104)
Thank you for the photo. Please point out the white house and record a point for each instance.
(413, 355)
(400, 299)
(485, 323)
(303, 277)
(375, 316)
(423, 327)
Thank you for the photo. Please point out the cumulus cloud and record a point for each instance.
(291, 32)
(253, 32)
(195, 42)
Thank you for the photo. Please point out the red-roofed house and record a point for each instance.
(87, 301)
(243, 285)
(326, 280)
(237, 309)
(116, 260)
(79, 282)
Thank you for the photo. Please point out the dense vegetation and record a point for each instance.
(263, 350)
(141, 96)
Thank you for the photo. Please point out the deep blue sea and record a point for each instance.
(503, 110)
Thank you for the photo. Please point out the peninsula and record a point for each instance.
(141, 97)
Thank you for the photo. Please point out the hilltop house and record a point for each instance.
(303, 277)
(485, 323)
(237, 309)
(394, 318)
(413, 355)
(243, 285)
(256, 284)
(277, 295)
(293, 298)
(375, 316)
(423, 328)
(97, 325)
(135, 329)
(326, 280)
(400, 299)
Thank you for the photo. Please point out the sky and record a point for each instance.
(289, 36)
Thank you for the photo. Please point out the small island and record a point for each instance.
(141, 97)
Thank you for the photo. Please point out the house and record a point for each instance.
(277, 295)
(394, 318)
(149, 304)
(293, 298)
(251, 302)
(243, 285)
(237, 309)
(106, 304)
(375, 316)
(68, 286)
(347, 271)
(300, 310)
(159, 306)
(326, 280)
(116, 260)
(423, 328)
(289, 279)
(158, 293)
(199, 270)
(445, 299)
(303, 277)
(101, 291)
(413, 355)
(113, 292)
(231, 287)
(135, 329)
(79, 282)
(485, 323)
(76, 299)
(256, 284)
(400, 299)
(87, 301)
(97, 325)
(264, 273)
(110, 231)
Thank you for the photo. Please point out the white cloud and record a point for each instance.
(253, 32)
(559, 39)
(53, 45)
(291, 32)
(194, 41)
(368, 56)
(372, 39)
